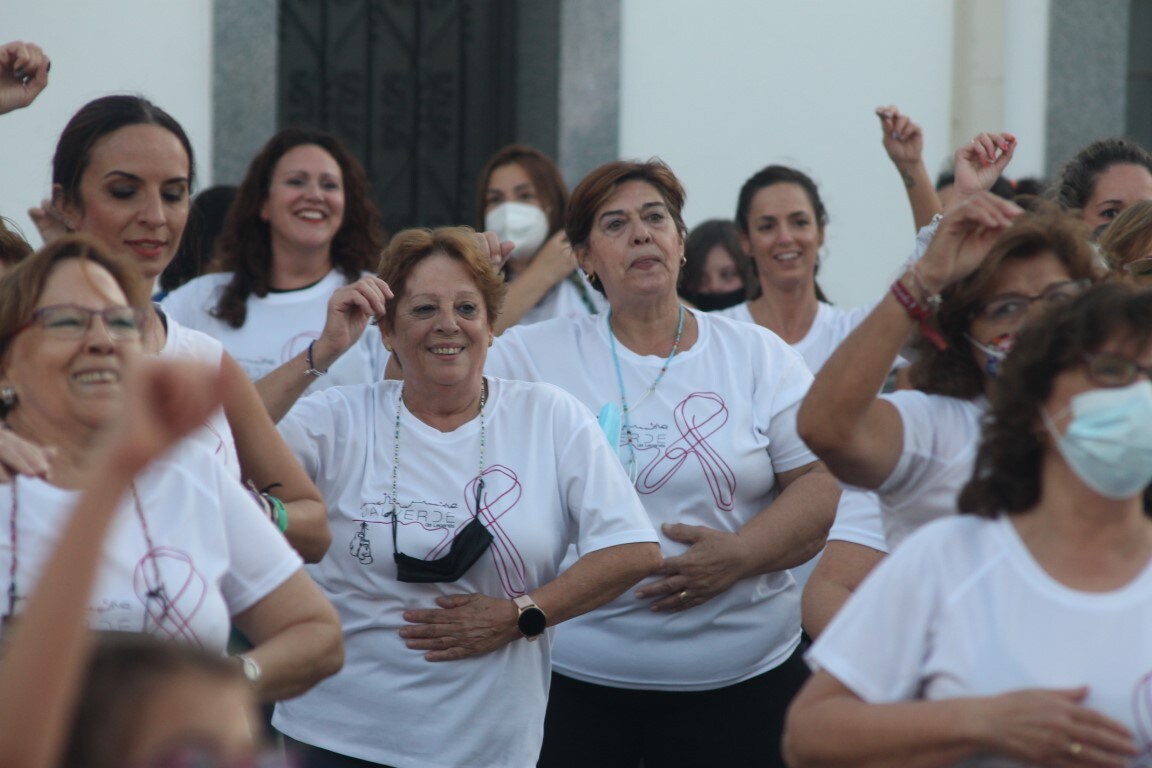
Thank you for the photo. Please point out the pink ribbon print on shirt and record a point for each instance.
(697, 417)
(501, 494)
(171, 591)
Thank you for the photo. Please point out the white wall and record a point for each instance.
(161, 50)
(720, 89)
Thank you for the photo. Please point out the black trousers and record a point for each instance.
(740, 725)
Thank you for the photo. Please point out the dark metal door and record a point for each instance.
(422, 91)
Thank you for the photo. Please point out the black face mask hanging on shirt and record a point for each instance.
(468, 545)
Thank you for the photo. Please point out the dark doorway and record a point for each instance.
(422, 91)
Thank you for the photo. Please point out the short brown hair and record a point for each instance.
(953, 371)
(545, 176)
(1007, 473)
(1128, 236)
(412, 246)
(599, 185)
(23, 285)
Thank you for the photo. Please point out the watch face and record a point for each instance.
(531, 622)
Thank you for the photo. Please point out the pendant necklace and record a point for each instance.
(625, 408)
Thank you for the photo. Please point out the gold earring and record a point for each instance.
(683, 259)
(388, 347)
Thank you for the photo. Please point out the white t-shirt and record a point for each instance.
(712, 437)
(566, 299)
(941, 435)
(858, 513)
(550, 480)
(216, 434)
(278, 327)
(830, 327)
(215, 552)
(963, 609)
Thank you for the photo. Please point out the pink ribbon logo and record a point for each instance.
(697, 417)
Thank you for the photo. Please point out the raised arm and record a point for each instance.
(552, 264)
(859, 435)
(266, 461)
(904, 142)
(48, 646)
(23, 74)
(349, 310)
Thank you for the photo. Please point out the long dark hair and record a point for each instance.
(770, 177)
(247, 239)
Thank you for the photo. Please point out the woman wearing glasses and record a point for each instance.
(1016, 634)
(190, 553)
(987, 272)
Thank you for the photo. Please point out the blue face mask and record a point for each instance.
(1108, 443)
(995, 351)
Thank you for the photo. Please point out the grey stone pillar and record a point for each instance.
(244, 71)
(1087, 75)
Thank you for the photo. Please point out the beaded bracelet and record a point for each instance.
(280, 512)
(919, 314)
(933, 300)
(312, 370)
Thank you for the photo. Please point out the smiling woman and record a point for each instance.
(297, 241)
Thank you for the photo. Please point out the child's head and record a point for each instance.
(153, 703)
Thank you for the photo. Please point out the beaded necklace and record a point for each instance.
(158, 593)
(396, 455)
(632, 473)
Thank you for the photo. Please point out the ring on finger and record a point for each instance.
(1075, 748)
(683, 595)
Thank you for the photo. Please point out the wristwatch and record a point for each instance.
(251, 669)
(531, 620)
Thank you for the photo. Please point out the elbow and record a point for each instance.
(313, 550)
(797, 745)
(820, 430)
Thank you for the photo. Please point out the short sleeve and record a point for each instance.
(260, 558)
(602, 502)
(858, 519)
(311, 430)
(781, 386)
(878, 643)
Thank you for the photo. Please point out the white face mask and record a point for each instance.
(523, 224)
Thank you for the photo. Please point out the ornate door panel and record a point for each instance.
(423, 91)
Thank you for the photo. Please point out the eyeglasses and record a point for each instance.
(1141, 269)
(1113, 370)
(71, 322)
(1012, 307)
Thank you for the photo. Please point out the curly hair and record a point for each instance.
(953, 371)
(1077, 178)
(411, 246)
(551, 190)
(1007, 472)
(247, 238)
(770, 176)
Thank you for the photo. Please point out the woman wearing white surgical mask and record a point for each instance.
(968, 645)
(522, 198)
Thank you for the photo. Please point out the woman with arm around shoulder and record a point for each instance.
(297, 242)
(190, 553)
(122, 173)
(454, 498)
(700, 410)
(933, 663)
